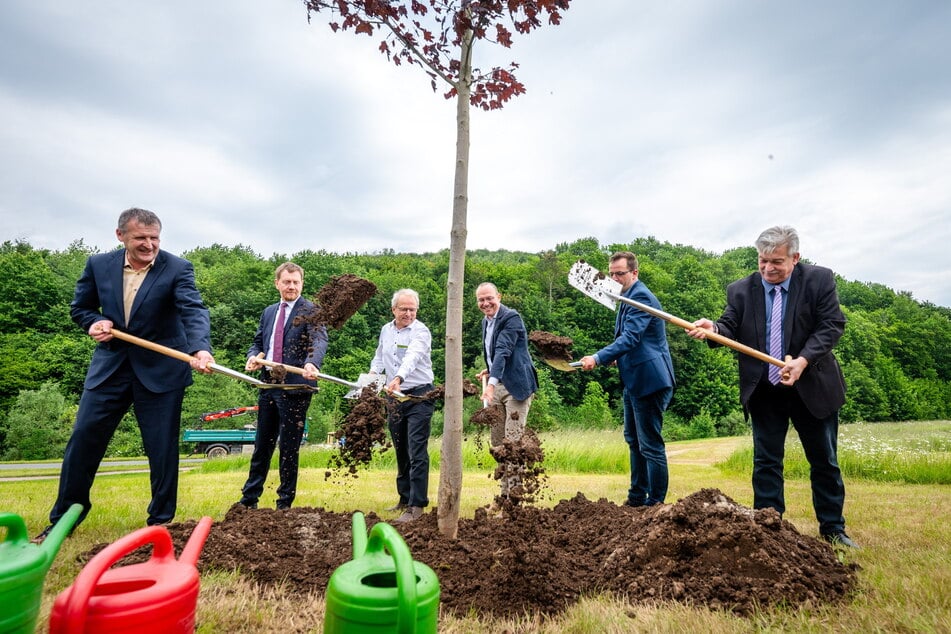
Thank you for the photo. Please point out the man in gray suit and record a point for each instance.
(643, 360)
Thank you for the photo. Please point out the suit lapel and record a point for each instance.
(116, 272)
(795, 291)
(758, 297)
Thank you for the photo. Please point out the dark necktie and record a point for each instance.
(776, 333)
(277, 355)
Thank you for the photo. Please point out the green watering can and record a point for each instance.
(23, 568)
(380, 592)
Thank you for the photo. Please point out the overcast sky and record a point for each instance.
(698, 122)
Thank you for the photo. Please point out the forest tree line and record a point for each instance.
(895, 352)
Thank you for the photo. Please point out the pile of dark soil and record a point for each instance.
(704, 550)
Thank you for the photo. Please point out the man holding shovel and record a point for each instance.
(151, 293)
(647, 372)
(288, 335)
(404, 355)
(510, 378)
(789, 309)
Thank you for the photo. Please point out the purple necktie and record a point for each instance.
(277, 355)
(776, 333)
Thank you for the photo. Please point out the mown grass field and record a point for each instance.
(898, 505)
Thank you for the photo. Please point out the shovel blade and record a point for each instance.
(594, 284)
(363, 381)
(564, 366)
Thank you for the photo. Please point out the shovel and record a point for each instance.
(604, 290)
(220, 369)
(355, 388)
(561, 364)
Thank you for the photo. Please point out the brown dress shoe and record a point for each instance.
(411, 513)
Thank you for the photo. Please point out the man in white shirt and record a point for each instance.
(404, 355)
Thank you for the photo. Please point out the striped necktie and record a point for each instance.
(776, 333)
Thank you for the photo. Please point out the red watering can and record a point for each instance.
(157, 596)
(23, 568)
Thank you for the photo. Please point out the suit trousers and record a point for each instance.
(771, 408)
(516, 415)
(643, 420)
(281, 419)
(100, 411)
(410, 424)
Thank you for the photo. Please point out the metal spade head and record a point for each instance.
(594, 284)
(364, 380)
(563, 365)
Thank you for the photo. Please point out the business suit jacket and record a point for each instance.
(812, 325)
(511, 363)
(640, 346)
(304, 341)
(167, 310)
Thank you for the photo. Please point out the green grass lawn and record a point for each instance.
(902, 525)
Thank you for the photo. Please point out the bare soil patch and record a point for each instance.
(704, 550)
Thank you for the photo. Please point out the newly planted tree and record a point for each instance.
(439, 37)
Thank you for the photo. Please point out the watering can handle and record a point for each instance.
(382, 534)
(16, 529)
(74, 618)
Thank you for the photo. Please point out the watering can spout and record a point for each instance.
(60, 531)
(192, 549)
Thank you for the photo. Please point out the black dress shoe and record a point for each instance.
(399, 506)
(636, 505)
(840, 540)
(39, 539)
(248, 505)
(283, 506)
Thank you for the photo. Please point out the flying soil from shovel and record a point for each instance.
(554, 350)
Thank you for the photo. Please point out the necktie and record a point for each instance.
(277, 355)
(776, 333)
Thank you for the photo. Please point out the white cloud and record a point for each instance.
(693, 122)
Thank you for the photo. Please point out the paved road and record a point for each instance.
(186, 463)
(10, 466)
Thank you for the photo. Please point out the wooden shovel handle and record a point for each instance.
(272, 364)
(151, 345)
(686, 325)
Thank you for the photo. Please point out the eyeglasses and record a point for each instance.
(618, 273)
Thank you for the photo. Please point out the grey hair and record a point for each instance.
(404, 291)
(142, 216)
(773, 238)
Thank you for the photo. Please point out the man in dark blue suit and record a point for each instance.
(149, 293)
(647, 372)
(288, 334)
(809, 390)
(511, 379)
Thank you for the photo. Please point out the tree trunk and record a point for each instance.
(450, 470)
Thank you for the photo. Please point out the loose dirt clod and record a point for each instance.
(362, 432)
(339, 299)
(488, 416)
(704, 550)
(523, 460)
(551, 346)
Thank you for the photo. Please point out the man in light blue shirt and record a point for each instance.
(404, 355)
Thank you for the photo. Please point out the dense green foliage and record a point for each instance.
(896, 352)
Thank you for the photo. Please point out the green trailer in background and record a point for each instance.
(218, 443)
